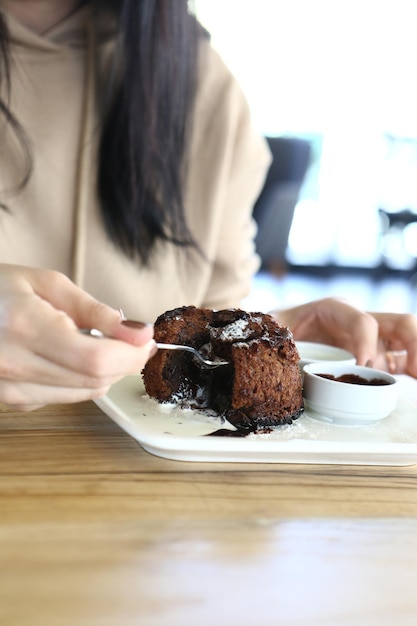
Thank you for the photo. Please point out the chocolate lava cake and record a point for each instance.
(260, 388)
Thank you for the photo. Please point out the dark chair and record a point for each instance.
(274, 209)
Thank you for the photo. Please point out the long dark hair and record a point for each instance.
(143, 147)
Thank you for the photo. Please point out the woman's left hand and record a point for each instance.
(384, 340)
(397, 343)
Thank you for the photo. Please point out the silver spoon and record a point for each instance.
(206, 363)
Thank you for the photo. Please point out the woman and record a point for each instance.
(128, 169)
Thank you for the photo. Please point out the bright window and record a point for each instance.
(342, 71)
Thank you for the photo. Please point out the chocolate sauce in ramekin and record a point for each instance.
(354, 379)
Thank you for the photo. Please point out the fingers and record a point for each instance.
(391, 361)
(83, 309)
(385, 340)
(51, 351)
(43, 356)
(69, 368)
(398, 338)
(362, 340)
(30, 396)
(336, 322)
(48, 328)
(87, 370)
(98, 366)
(87, 312)
(136, 333)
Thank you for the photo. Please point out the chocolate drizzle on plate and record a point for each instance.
(225, 432)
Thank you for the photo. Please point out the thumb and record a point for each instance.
(85, 310)
(134, 332)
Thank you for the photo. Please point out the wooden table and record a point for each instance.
(95, 531)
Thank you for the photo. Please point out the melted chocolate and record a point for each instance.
(239, 432)
(225, 432)
(356, 380)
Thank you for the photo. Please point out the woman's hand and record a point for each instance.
(397, 343)
(384, 340)
(43, 356)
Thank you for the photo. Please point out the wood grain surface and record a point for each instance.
(96, 531)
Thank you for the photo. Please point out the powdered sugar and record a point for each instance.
(236, 330)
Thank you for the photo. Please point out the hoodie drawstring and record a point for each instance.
(84, 163)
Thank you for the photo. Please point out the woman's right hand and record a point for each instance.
(44, 358)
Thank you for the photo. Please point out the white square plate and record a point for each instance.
(179, 434)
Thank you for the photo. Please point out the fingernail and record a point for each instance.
(133, 324)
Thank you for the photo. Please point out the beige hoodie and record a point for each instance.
(54, 222)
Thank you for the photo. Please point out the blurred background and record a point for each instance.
(331, 86)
